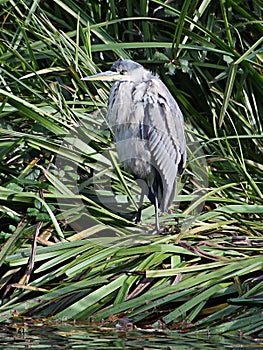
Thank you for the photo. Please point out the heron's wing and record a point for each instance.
(163, 128)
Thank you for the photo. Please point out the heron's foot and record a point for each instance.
(140, 223)
(153, 230)
(158, 231)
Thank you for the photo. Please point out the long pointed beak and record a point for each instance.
(106, 76)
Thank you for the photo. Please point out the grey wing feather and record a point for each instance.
(166, 139)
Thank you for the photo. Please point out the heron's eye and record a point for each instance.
(123, 72)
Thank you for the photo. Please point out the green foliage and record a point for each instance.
(69, 247)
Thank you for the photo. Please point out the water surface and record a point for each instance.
(70, 336)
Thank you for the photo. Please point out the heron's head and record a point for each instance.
(122, 70)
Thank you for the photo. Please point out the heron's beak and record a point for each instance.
(106, 76)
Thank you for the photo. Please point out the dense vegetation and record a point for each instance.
(69, 248)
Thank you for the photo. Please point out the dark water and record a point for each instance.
(65, 336)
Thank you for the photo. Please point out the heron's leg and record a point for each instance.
(139, 212)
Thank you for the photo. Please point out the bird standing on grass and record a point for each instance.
(149, 131)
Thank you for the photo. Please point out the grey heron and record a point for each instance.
(148, 129)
